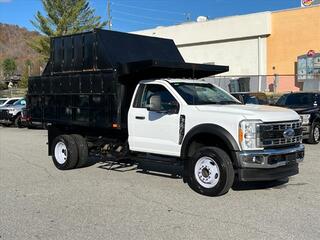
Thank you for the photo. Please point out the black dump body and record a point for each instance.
(90, 77)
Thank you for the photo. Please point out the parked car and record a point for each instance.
(11, 113)
(251, 97)
(8, 101)
(307, 105)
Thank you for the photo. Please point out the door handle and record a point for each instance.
(140, 117)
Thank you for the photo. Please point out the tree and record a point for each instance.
(3, 86)
(63, 17)
(26, 74)
(9, 67)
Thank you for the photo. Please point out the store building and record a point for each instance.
(261, 47)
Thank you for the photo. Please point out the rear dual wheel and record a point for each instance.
(69, 151)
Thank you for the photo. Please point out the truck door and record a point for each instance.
(154, 132)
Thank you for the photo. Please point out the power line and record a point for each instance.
(146, 17)
(148, 9)
(132, 21)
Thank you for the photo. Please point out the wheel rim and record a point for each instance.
(61, 153)
(207, 172)
(316, 133)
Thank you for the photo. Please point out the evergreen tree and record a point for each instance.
(9, 67)
(63, 17)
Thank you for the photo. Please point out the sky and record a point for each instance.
(133, 15)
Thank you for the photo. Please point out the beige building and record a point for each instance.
(238, 41)
(262, 47)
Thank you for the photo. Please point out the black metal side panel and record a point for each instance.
(57, 54)
(68, 53)
(73, 53)
(78, 45)
(131, 55)
(88, 54)
(86, 99)
(118, 48)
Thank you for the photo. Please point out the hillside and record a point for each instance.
(13, 44)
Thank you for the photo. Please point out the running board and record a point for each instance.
(157, 163)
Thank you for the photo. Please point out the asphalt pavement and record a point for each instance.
(37, 201)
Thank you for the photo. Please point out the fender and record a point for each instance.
(316, 118)
(211, 129)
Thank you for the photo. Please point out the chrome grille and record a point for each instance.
(272, 134)
(4, 115)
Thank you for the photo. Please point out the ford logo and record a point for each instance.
(288, 133)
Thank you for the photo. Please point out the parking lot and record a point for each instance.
(37, 201)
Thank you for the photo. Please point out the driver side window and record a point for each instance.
(168, 102)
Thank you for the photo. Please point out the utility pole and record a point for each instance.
(109, 21)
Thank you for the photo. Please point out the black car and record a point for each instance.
(251, 97)
(307, 105)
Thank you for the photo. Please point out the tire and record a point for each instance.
(210, 172)
(82, 147)
(314, 137)
(17, 122)
(64, 152)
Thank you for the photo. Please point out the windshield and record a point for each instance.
(20, 102)
(203, 93)
(256, 99)
(12, 101)
(2, 101)
(299, 99)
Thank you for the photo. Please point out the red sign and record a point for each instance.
(311, 53)
(306, 2)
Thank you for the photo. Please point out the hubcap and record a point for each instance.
(61, 153)
(207, 172)
(316, 133)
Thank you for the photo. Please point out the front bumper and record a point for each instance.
(251, 174)
(306, 131)
(269, 164)
(6, 118)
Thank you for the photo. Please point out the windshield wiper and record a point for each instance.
(228, 102)
(207, 103)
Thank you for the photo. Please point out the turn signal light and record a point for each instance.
(240, 135)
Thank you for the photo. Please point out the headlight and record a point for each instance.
(11, 110)
(305, 118)
(249, 135)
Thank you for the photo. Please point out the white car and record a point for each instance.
(8, 101)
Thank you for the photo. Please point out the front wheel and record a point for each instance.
(314, 137)
(210, 172)
(17, 122)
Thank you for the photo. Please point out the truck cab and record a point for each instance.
(218, 136)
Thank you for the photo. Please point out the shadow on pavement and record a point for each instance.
(240, 186)
(175, 172)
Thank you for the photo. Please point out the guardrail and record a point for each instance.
(14, 92)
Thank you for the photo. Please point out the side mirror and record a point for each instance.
(155, 103)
